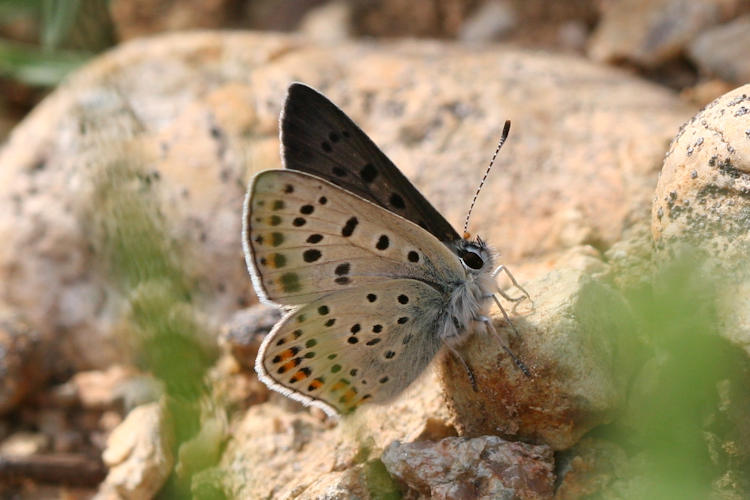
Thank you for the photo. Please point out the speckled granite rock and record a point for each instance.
(701, 196)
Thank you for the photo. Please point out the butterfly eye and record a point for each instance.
(471, 259)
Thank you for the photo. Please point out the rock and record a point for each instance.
(269, 437)
(245, 331)
(137, 19)
(338, 485)
(236, 385)
(138, 455)
(631, 260)
(649, 33)
(589, 468)
(484, 467)
(331, 22)
(187, 119)
(267, 440)
(24, 444)
(704, 92)
(493, 20)
(722, 51)
(701, 196)
(101, 389)
(23, 365)
(416, 18)
(577, 343)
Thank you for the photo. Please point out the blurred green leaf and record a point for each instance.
(57, 20)
(70, 33)
(674, 404)
(30, 65)
(77, 24)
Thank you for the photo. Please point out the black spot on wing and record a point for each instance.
(368, 173)
(311, 255)
(382, 243)
(349, 227)
(396, 201)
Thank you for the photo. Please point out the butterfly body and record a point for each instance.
(373, 279)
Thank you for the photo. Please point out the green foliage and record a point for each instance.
(145, 266)
(69, 33)
(380, 484)
(675, 421)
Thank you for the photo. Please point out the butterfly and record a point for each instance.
(373, 279)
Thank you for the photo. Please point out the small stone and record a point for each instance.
(486, 467)
(22, 365)
(492, 21)
(138, 455)
(246, 329)
(722, 51)
(651, 32)
(330, 22)
(100, 389)
(24, 444)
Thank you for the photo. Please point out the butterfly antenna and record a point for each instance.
(506, 129)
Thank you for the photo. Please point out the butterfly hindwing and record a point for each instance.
(361, 345)
(318, 138)
(305, 238)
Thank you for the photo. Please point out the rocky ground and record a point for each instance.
(129, 326)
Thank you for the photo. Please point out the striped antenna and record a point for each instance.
(506, 129)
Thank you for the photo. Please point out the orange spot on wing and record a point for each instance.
(287, 354)
(300, 375)
(290, 364)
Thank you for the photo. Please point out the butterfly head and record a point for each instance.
(475, 255)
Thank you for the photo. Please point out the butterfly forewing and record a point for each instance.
(306, 238)
(362, 345)
(318, 138)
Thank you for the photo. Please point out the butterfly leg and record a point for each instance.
(468, 369)
(505, 314)
(502, 268)
(491, 329)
